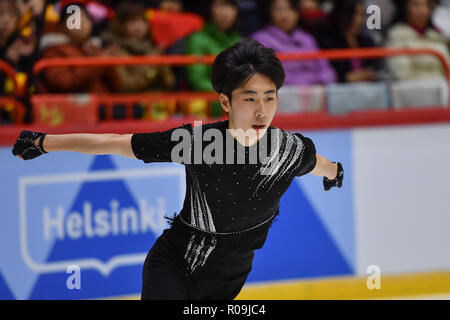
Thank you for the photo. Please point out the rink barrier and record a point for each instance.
(128, 100)
(178, 60)
(306, 121)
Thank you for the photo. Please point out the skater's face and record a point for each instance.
(253, 105)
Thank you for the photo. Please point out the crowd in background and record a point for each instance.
(29, 31)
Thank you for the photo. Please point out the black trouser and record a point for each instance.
(164, 274)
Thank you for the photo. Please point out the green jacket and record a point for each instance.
(208, 41)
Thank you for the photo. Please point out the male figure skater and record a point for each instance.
(230, 203)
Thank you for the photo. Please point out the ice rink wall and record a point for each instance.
(103, 213)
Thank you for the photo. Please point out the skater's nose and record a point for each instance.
(260, 111)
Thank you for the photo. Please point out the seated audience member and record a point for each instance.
(413, 28)
(387, 12)
(100, 12)
(283, 35)
(30, 12)
(171, 5)
(313, 18)
(15, 49)
(250, 17)
(129, 35)
(75, 43)
(171, 26)
(345, 30)
(218, 34)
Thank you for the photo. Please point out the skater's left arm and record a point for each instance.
(332, 172)
(325, 168)
(314, 163)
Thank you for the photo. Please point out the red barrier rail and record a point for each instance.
(109, 100)
(339, 54)
(310, 121)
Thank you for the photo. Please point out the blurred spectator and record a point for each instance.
(75, 43)
(129, 35)
(15, 49)
(283, 35)
(387, 10)
(100, 11)
(30, 12)
(305, 5)
(250, 19)
(413, 28)
(313, 18)
(172, 5)
(345, 31)
(218, 34)
(169, 25)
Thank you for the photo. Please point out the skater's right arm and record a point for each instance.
(90, 143)
(27, 145)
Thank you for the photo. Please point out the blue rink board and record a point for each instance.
(54, 211)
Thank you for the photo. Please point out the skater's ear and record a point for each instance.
(225, 102)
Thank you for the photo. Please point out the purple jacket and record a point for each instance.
(302, 72)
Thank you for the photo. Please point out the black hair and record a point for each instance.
(342, 14)
(236, 64)
(402, 14)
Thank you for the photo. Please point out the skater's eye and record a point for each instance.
(249, 99)
(270, 99)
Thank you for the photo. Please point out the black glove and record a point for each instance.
(25, 147)
(336, 182)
